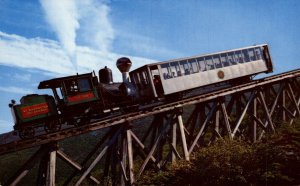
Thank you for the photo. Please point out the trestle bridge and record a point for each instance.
(171, 131)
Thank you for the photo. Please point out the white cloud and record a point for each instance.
(48, 56)
(36, 53)
(17, 90)
(83, 21)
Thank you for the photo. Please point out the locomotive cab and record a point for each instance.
(79, 93)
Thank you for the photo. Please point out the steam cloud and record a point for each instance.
(82, 21)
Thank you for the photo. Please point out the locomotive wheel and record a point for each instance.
(52, 126)
(26, 132)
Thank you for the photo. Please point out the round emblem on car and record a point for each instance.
(221, 74)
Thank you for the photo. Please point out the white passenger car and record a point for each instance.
(179, 75)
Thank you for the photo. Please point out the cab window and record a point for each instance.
(84, 85)
(71, 86)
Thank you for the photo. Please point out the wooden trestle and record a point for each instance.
(173, 132)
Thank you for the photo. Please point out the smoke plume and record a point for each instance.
(84, 22)
(63, 18)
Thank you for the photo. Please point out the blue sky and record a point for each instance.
(43, 39)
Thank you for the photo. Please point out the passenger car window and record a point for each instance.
(230, 59)
(224, 60)
(217, 61)
(175, 69)
(209, 63)
(185, 67)
(201, 64)
(245, 55)
(194, 65)
(258, 53)
(165, 69)
(251, 54)
(238, 57)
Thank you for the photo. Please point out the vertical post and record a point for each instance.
(124, 157)
(51, 169)
(183, 139)
(46, 175)
(130, 155)
(174, 128)
(217, 121)
(283, 105)
(254, 129)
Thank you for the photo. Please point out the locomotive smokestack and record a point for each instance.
(124, 65)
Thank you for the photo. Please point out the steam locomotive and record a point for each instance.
(78, 99)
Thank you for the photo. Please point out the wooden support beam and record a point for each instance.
(159, 137)
(51, 169)
(283, 105)
(142, 146)
(210, 114)
(123, 168)
(91, 153)
(123, 159)
(173, 143)
(183, 139)
(269, 119)
(254, 124)
(294, 114)
(130, 156)
(226, 120)
(75, 165)
(22, 172)
(293, 99)
(243, 113)
(99, 157)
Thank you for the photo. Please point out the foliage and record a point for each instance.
(273, 161)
